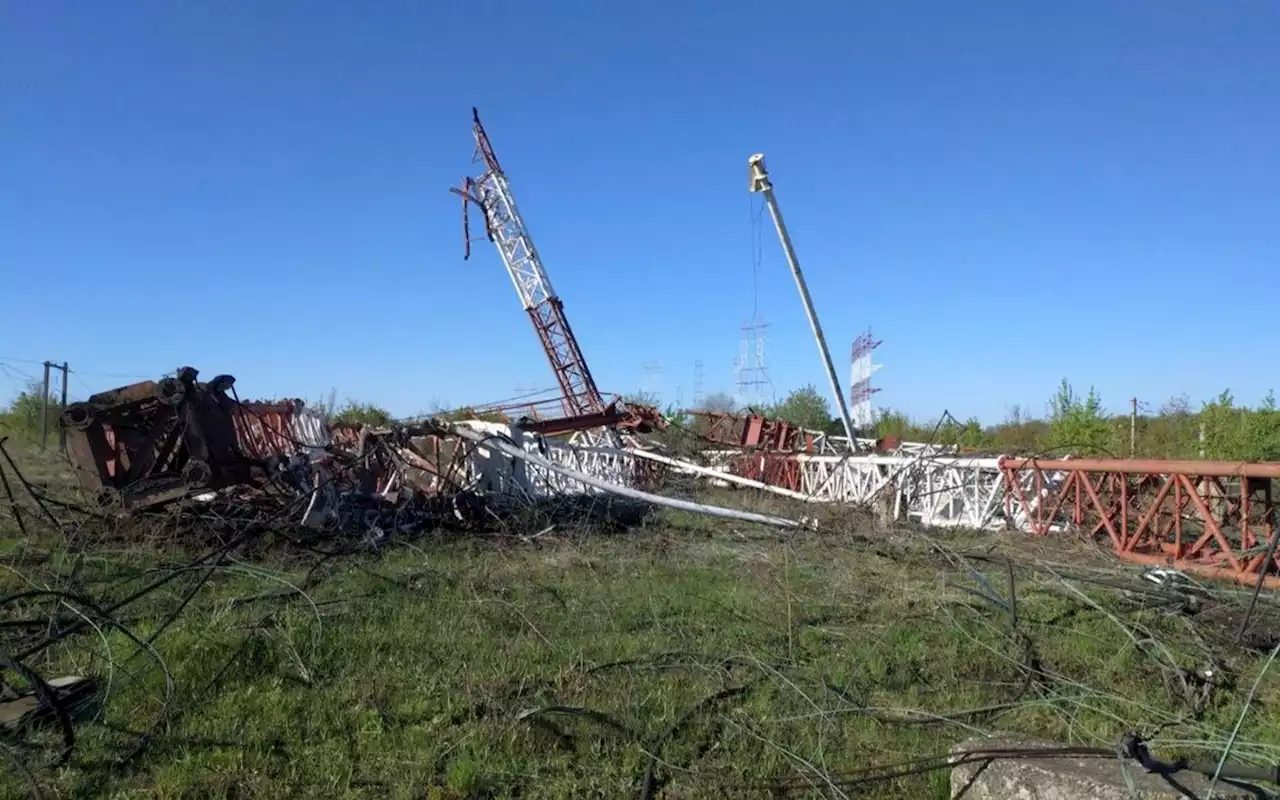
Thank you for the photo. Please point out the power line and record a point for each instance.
(81, 382)
(113, 375)
(9, 369)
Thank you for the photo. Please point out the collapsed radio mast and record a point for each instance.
(505, 228)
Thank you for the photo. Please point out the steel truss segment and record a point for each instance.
(1209, 518)
(756, 431)
(492, 471)
(514, 244)
(505, 226)
(570, 367)
(1214, 521)
(941, 491)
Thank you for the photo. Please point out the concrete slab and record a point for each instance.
(1073, 778)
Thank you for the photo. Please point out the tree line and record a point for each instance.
(1072, 424)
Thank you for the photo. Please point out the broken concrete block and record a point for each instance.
(78, 695)
(1072, 778)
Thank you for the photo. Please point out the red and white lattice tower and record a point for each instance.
(505, 228)
(860, 389)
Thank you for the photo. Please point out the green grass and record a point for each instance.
(705, 659)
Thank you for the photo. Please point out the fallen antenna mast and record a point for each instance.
(760, 183)
(505, 228)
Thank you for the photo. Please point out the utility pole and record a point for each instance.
(62, 432)
(1133, 426)
(44, 408)
(760, 183)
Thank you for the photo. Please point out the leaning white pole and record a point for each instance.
(623, 491)
(760, 183)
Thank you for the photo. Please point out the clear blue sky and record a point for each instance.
(1007, 192)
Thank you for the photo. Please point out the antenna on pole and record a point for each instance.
(760, 183)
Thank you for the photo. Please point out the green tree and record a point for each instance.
(1236, 433)
(1078, 425)
(23, 412)
(1263, 434)
(1224, 427)
(804, 407)
(354, 412)
(892, 424)
(968, 434)
(1019, 433)
(1171, 433)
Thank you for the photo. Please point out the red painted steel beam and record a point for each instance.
(1270, 582)
(551, 427)
(1208, 518)
(756, 431)
(1213, 469)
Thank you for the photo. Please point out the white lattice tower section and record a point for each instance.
(505, 228)
(860, 389)
(751, 374)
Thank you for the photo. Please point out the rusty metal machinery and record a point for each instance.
(156, 441)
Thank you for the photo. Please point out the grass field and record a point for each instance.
(683, 657)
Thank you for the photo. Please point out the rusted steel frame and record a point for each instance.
(572, 373)
(1211, 526)
(1150, 519)
(776, 469)
(1243, 577)
(447, 464)
(721, 428)
(263, 430)
(551, 427)
(640, 417)
(643, 418)
(152, 442)
(529, 417)
(344, 437)
(157, 447)
(1224, 469)
(756, 431)
(1037, 521)
(1109, 498)
(510, 412)
(1082, 479)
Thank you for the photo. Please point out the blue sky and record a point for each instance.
(1006, 192)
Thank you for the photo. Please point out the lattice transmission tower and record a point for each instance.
(752, 377)
(860, 389)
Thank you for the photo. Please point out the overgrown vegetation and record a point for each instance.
(689, 658)
(355, 412)
(1076, 424)
(1219, 429)
(22, 416)
(685, 658)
